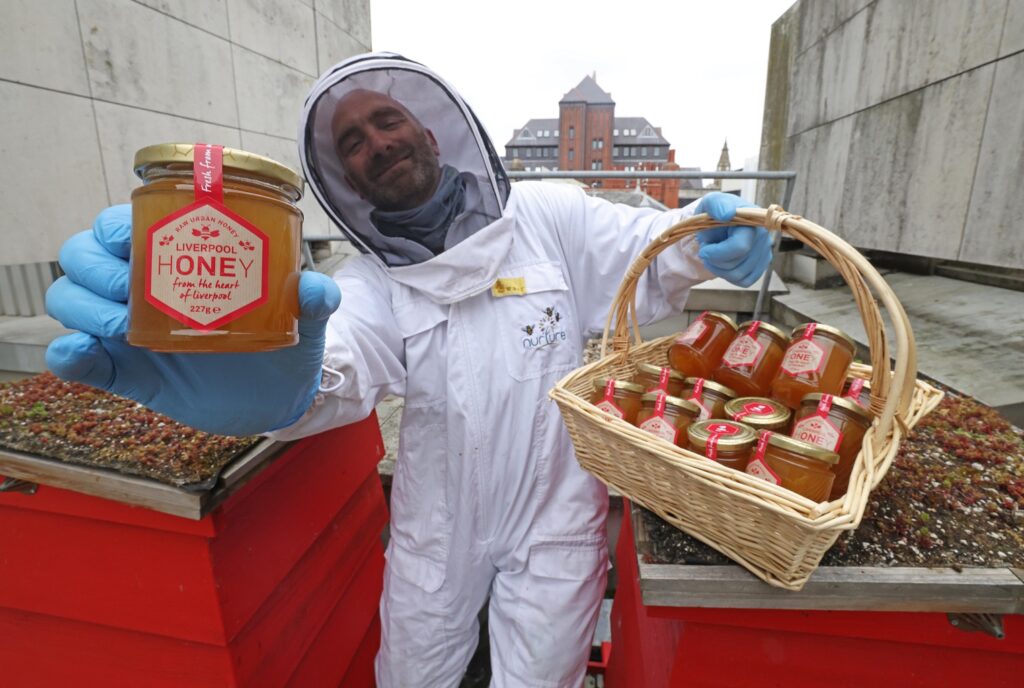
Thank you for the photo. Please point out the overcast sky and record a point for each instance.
(695, 68)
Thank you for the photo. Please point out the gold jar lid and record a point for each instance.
(827, 329)
(777, 412)
(768, 327)
(655, 371)
(723, 317)
(700, 432)
(684, 404)
(713, 386)
(840, 402)
(805, 449)
(234, 159)
(624, 385)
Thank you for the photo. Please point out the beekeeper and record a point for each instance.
(471, 298)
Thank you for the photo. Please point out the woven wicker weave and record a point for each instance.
(778, 535)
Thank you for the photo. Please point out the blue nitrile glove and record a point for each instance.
(738, 253)
(228, 394)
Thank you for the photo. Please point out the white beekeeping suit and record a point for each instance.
(487, 499)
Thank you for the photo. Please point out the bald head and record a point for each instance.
(390, 159)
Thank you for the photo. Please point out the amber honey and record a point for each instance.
(652, 377)
(753, 356)
(834, 423)
(727, 442)
(619, 398)
(817, 360)
(797, 466)
(697, 351)
(710, 396)
(666, 416)
(214, 264)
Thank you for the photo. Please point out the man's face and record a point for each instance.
(390, 160)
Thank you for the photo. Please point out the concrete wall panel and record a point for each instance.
(993, 232)
(913, 44)
(334, 44)
(270, 95)
(823, 154)
(131, 52)
(1013, 30)
(52, 159)
(877, 174)
(806, 89)
(279, 29)
(210, 15)
(353, 16)
(942, 160)
(283, 150)
(40, 45)
(843, 58)
(123, 130)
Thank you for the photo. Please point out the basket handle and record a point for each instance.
(891, 390)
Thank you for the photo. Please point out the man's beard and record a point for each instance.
(412, 188)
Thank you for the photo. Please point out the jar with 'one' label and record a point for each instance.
(727, 442)
(618, 398)
(665, 416)
(752, 358)
(834, 423)
(797, 466)
(817, 360)
(697, 351)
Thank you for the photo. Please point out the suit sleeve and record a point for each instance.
(364, 357)
(600, 240)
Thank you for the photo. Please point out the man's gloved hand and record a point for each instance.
(230, 394)
(738, 253)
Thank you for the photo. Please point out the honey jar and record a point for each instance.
(215, 251)
(752, 358)
(709, 396)
(697, 351)
(759, 413)
(857, 390)
(618, 397)
(666, 416)
(725, 441)
(652, 377)
(834, 423)
(817, 360)
(797, 466)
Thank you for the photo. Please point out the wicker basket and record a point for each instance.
(778, 535)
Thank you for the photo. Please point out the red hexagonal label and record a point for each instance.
(206, 266)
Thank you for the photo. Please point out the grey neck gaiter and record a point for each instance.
(427, 224)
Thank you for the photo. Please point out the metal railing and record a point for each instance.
(788, 176)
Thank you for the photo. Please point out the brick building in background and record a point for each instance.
(588, 136)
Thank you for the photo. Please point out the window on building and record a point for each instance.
(600, 165)
(632, 151)
(571, 154)
(615, 132)
(600, 144)
(656, 151)
(632, 132)
(510, 153)
(556, 133)
(529, 152)
(648, 132)
(525, 134)
(572, 132)
(643, 152)
(615, 151)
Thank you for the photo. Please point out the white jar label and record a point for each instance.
(659, 427)
(818, 430)
(759, 469)
(609, 407)
(693, 332)
(205, 265)
(743, 352)
(803, 357)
